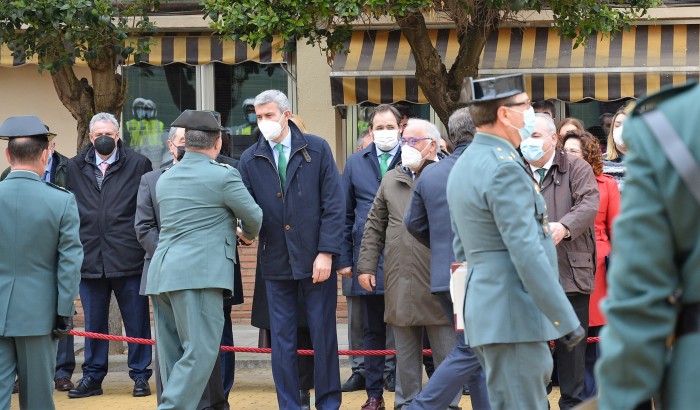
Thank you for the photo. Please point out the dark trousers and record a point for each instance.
(592, 354)
(305, 363)
(320, 300)
(95, 295)
(65, 358)
(375, 339)
(227, 359)
(571, 365)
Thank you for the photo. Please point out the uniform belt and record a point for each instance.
(688, 320)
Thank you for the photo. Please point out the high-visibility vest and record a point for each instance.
(145, 132)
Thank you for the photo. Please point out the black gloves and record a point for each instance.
(572, 339)
(62, 327)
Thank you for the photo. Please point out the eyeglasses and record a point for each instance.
(572, 150)
(411, 141)
(518, 104)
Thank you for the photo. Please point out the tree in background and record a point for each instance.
(328, 23)
(57, 33)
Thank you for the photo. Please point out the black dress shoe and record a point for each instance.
(355, 382)
(15, 388)
(141, 388)
(390, 382)
(63, 384)
(465, 390)
(305, 399)
(87, 386)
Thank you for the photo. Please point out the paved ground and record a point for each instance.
(253, 389)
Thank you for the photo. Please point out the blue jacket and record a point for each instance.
(361, 180)
(304, 221)
(427, 219)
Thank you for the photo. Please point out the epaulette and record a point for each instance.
(57, 187)
(219, 164)
(505, 154)
(651, 101)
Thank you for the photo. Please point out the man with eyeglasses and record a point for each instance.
(514, 303)
(570, 192)
(409, 306)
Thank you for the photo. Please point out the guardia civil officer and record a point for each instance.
(652, 341)
(40, 261)
(192, 268)
(514, 302)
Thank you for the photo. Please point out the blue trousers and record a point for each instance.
(460, 367)
(65, 358)
(320, 301)
(228, 359)
(95, 295)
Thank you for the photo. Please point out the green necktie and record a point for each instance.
(542, 173)
(384, 164)
(281, 164)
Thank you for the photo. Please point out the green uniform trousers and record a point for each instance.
(189, 324)
(33, 358)
(516, 374)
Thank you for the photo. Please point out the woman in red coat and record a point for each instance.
(586, 146)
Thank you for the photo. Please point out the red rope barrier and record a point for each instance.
(241, 349)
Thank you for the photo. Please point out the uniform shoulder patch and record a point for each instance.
(504, 154)
(220, 164)
(650, 102)
(60, 188)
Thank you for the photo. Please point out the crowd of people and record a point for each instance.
(527, 203)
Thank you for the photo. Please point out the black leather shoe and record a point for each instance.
(305, 399)
(465, 390)
(355, 382)
(63, 384)
(87, 386)
(141, 388)
(390, 382)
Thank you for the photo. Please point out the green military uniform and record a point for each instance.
(514, 303)
(193, 267)
(40, 263)
(655, 253)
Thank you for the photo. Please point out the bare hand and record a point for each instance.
(367, 281)
(245, 241)
(558, 232)
(345, 272)
(322, 267)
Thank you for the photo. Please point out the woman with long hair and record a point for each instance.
(584, 145)
(614, 164)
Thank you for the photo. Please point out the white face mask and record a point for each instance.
(271, 130)
(411, 157)
(617, 137)
(386, 140)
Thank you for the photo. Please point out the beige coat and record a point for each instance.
(407, 297)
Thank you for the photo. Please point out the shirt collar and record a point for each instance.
(110, 160)
(286, 142)
(546, 166)
(391, 152)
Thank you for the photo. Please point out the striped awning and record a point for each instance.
(187, 48)
(380, 67)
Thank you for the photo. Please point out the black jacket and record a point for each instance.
(107, 214)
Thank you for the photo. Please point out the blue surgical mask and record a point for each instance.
(528, 123)
(532, 149)
(252, 118)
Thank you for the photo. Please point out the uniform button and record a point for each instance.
(279, 195)
(556, 323)
(287, 227)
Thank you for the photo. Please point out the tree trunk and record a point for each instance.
(115, 327)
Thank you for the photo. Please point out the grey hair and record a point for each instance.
(550, 122)
(430, 129)
(461, 127)
(104, 116)
(171, 133)
(275, 96)
(201, 139)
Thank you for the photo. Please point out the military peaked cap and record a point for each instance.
(492, 88)
(24, 126)
(197, 120)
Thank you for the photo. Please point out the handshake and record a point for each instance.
(61, 327)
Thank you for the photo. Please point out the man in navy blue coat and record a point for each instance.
(294, 179)
(428, 221)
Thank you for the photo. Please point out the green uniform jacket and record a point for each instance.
(499, 221)
(199, 201)
(655, 251)
(40, 256)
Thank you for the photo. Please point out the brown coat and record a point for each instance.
(571, 193)
(407, 297)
